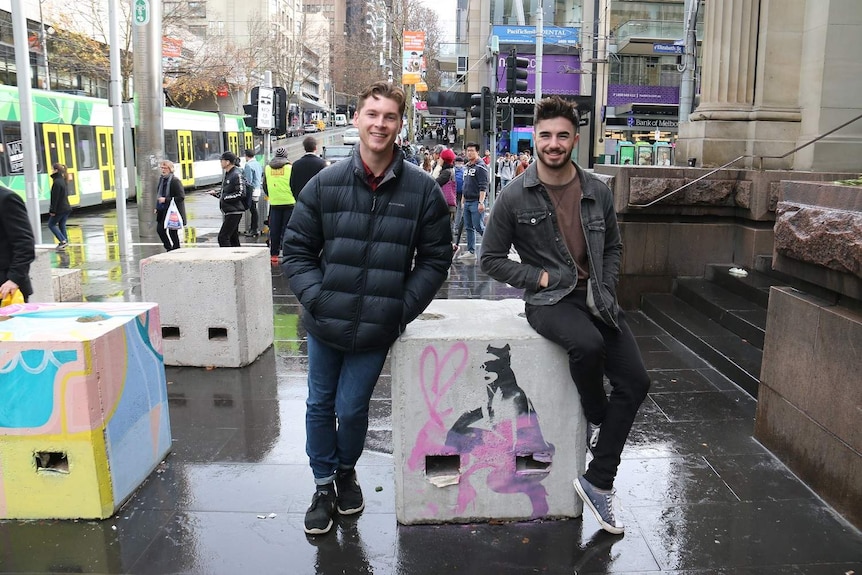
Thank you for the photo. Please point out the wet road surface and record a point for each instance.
(700, 495)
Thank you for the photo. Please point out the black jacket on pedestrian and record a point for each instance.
(366, 263)
(17, 246)
(59, 195)
(232, 191)
(304, 169)
(177, 193)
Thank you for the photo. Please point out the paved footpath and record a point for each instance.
(700, 495)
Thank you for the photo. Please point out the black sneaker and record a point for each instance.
(318, 518)
(350, 499)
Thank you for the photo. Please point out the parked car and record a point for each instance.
(332, 154)
(350, 136)
(310, 128)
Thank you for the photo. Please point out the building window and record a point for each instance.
(645, 71)
(198, 9)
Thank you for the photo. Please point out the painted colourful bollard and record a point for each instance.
(83, 407)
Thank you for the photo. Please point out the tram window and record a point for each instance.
(213, 145)
(199, 142)
(13, 148)
(171, 147)
(87, 150)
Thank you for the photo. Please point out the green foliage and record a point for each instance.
(856, 182)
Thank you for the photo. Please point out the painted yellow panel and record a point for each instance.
(83, 491)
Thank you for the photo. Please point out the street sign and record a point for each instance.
(264, 108)
(142, 12)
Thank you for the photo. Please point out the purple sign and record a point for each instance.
(619, 94)
(561, 74)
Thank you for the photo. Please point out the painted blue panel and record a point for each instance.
(27, 387)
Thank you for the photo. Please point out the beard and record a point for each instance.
(556, 162)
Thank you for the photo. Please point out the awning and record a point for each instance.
(313, 104)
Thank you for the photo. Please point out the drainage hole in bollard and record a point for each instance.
(170, 332)
(53, 461)
(218, 333)
(529, 464)
(436, 465)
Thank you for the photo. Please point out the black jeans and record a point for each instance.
(170, 238)
(278, 218)
(254, 225)
(228, 235)
(596, 349)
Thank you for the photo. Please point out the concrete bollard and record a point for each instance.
(68, 284)
(215, 304)
(486, 421)
(40, 275)
(83, 407)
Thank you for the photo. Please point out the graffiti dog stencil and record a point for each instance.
(502, 435)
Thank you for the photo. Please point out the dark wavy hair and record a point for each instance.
(384, 90)
(556, 107)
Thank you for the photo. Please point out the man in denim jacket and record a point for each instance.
(562, 222)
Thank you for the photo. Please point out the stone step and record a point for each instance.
(740, 315)
(736, 359)
(754, 287)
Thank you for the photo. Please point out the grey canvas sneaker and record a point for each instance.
(602, 503)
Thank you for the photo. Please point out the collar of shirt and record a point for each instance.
(372, 180)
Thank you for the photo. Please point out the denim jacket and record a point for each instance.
(523, 216)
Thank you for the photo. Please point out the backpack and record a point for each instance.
(459, 179)
(248, 193)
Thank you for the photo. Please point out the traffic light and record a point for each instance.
(482, 110)
(487, 110)
(250, 110)
(476, 101)
(516, 73)
(250, 117)
(280, 110)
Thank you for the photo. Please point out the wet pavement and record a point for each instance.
(700, 495)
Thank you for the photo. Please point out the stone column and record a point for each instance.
(729, 59)
(749, 85)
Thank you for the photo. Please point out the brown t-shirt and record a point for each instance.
(567, 205)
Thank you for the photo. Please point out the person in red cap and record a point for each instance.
(446, 180)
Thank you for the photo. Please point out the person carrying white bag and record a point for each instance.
(170, 207)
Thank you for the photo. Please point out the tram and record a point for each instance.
(78, 131)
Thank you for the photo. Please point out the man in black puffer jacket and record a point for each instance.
(366, 249)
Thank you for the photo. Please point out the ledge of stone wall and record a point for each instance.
(750, 194)
(818, 235)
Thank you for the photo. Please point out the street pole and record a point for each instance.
(28, 135)
(267, 141)
(149, 125)
(44, 47)
(591, 152)
(540, 41)
(117, 112)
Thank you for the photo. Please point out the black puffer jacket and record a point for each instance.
(364, 264)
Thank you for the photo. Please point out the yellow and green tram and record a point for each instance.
(78, 131)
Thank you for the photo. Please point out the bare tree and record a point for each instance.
(89, 19)
(213, 63)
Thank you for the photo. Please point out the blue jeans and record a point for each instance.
(473, 222)
(57, 225)
(340, 385)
